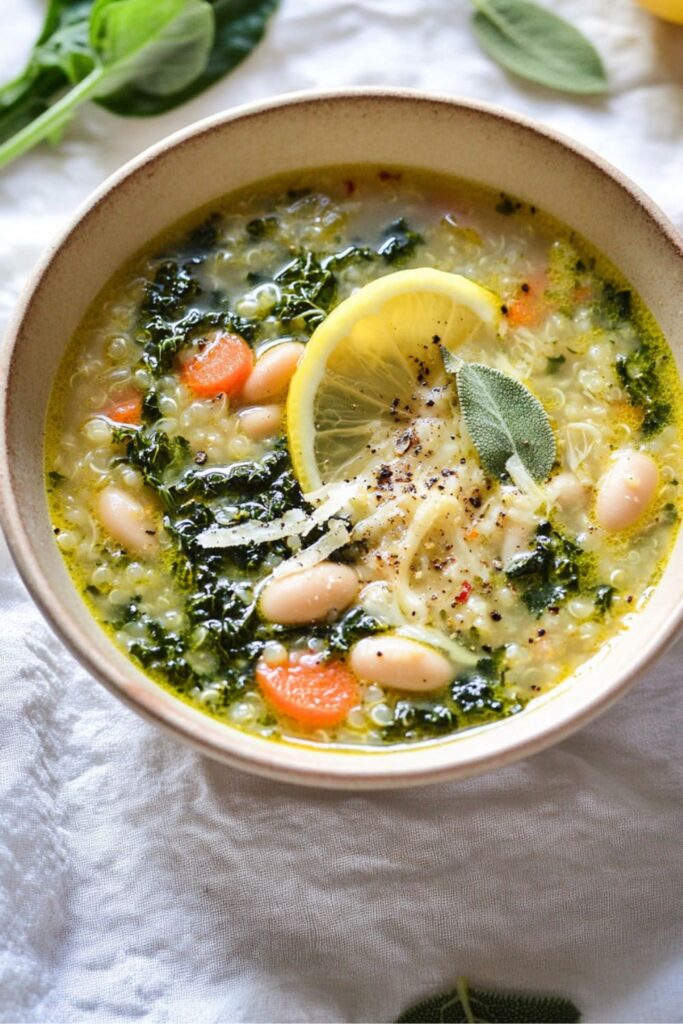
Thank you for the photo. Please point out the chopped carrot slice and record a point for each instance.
(220, 367)
(313, 692)
(125, 409)
(529, 305)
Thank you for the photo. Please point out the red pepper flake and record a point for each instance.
(350, 187)
(465, 592)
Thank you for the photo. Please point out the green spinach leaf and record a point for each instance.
(62, 55)
(537, 45)
(239, 27)
(158, 45)
(136, 57)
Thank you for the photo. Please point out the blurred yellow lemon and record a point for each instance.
(670, 10)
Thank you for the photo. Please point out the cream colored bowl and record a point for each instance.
(228, 152)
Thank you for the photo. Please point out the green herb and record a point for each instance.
(343, 634)
(537, 45)
(604, 594)
(504, 419)
(308, 290)
(553, 363)
(261, 227)
(640, 375)
(465, 1005)
(555, 568)
(420, 719)
(136, 57)
(478, 691)
(616, 305)
(347, 257)
(400, 242)
(150, 406)
(154, 454)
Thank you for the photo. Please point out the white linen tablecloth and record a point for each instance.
(141, 881)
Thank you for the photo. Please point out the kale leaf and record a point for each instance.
(616, 305)
(155, 455)
(308, 290)
(354, 625)
(604, 595)
(400, 242)
(262, 227)
(347, 257)
(477, 692)
(170, 292)
(420, 719)
(640, 375)
(555, 568)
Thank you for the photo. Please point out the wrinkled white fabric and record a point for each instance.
(139, 880)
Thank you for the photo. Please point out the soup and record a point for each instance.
(365, 457)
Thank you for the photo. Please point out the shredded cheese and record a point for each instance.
(337, 535)
(295, 523)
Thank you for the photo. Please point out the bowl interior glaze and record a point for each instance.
(229, 152)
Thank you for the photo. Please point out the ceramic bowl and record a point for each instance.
(229, 152)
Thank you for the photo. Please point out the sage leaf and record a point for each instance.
(465, 1005)
(539, 46)
(505, 419)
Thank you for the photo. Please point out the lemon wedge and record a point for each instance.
(369, 364)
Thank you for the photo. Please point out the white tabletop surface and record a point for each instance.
(140, 881)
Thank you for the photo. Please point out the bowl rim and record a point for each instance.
(380, 768)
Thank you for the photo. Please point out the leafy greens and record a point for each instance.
(136, 57)
(504, 420)
(536, 44)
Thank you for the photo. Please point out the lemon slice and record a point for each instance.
(366, 364)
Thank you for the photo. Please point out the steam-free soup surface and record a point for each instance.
(371, 564)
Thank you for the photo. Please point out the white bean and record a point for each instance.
(626, 490)
(127, 520)
(261, 421)
(567, 491)
(401, 663)
(272, 373)
(310, 595)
